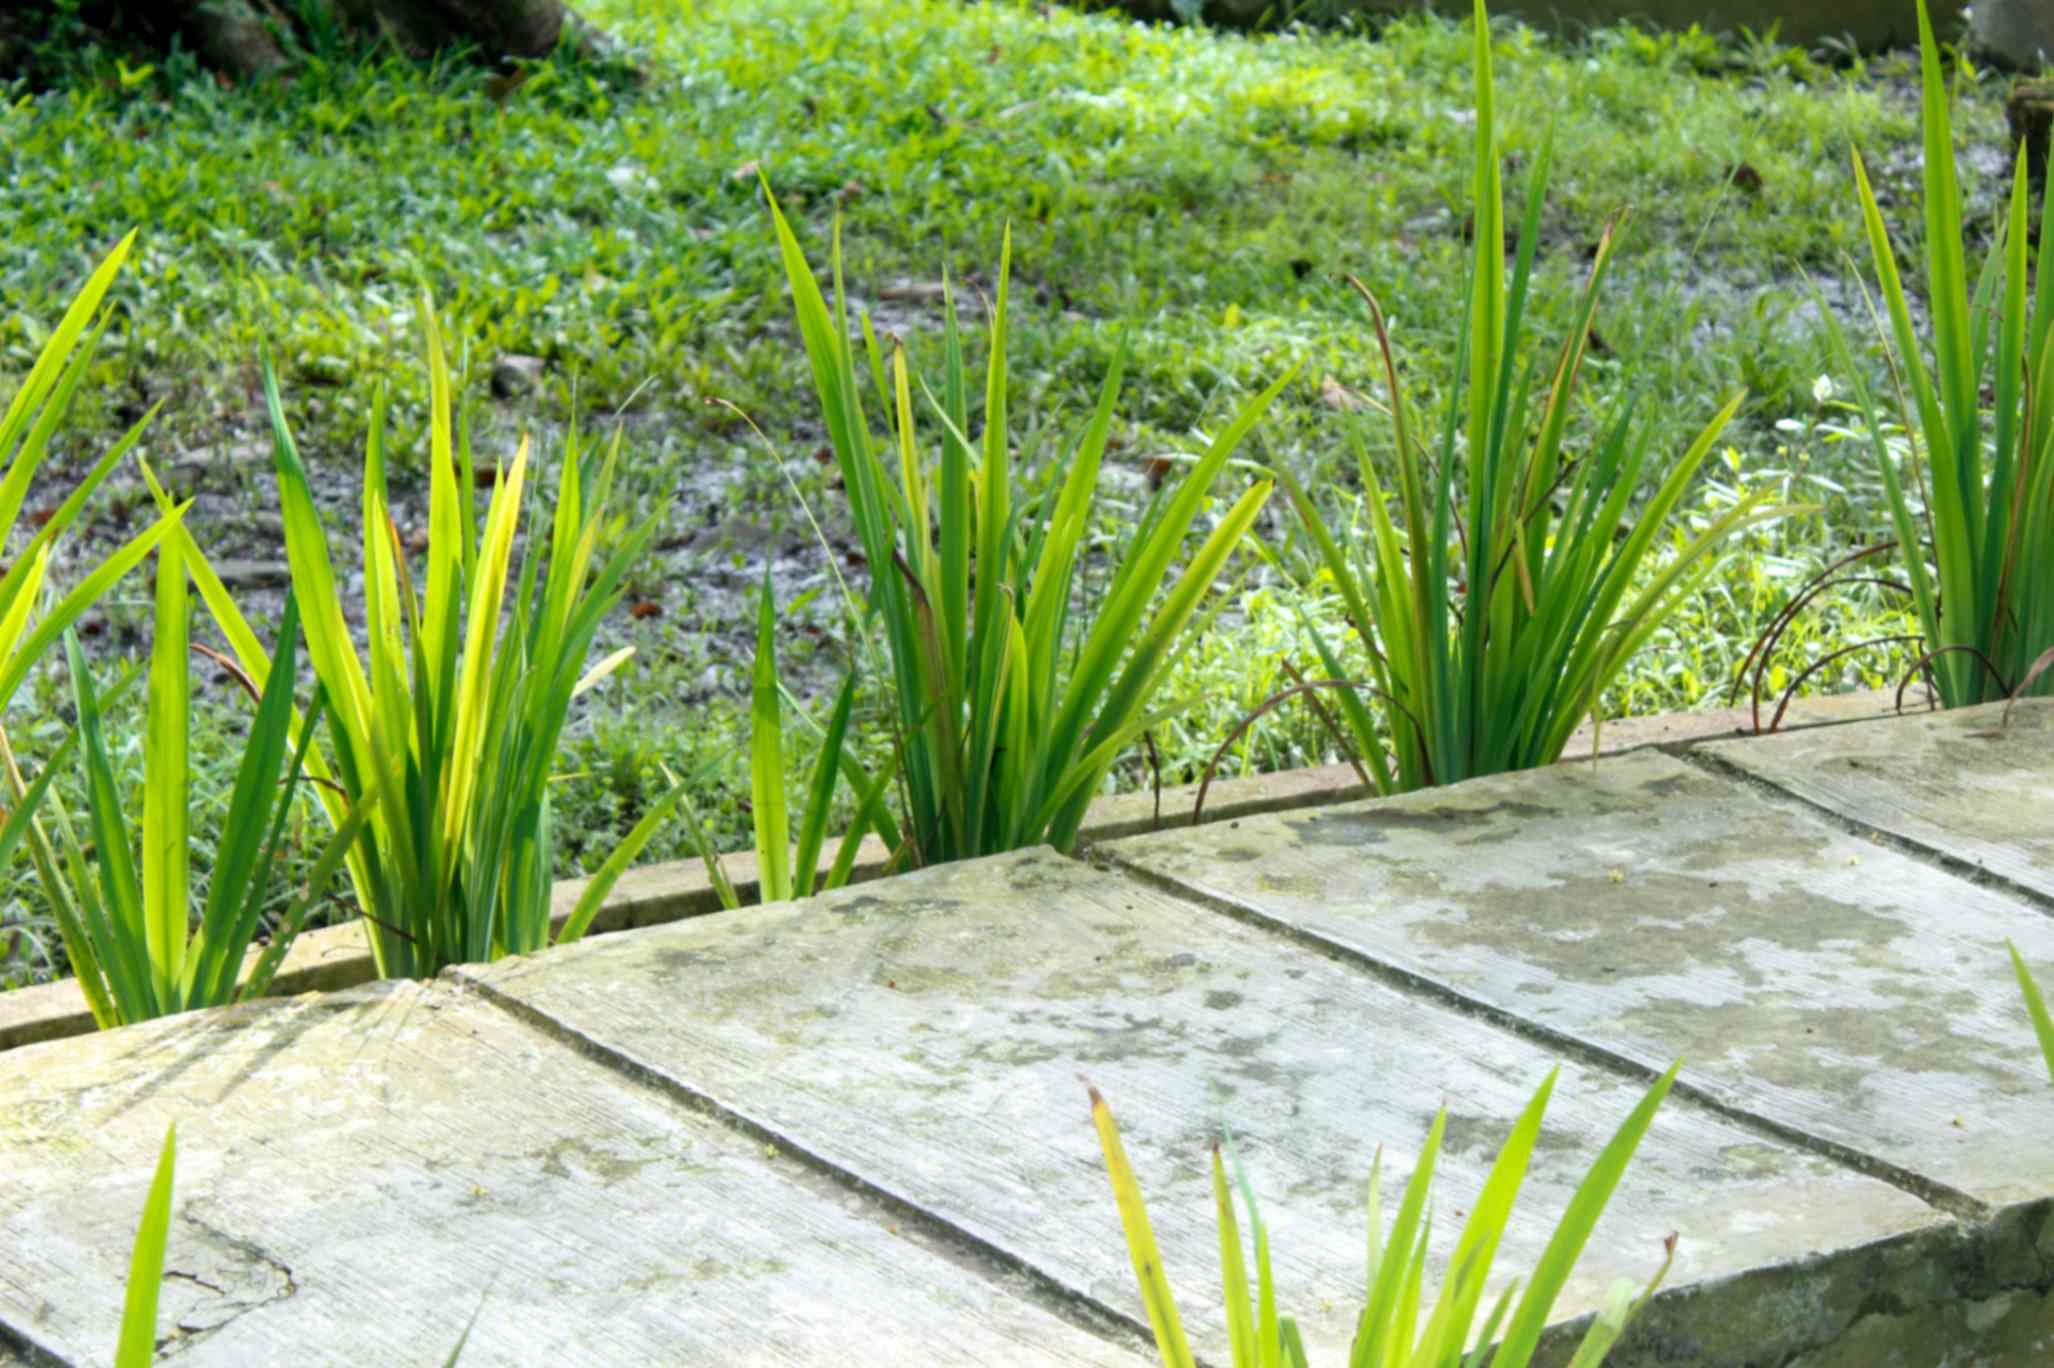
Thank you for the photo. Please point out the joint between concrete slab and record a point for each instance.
(1931, 856)
(1010, 1273)
(1942, 1197)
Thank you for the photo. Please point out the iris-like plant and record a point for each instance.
(1398, 1327)
(1009, 712)
(32, 418)
(784, 871)
(124, 917)
(1986, 488)
(1513, 591)
(454, 714)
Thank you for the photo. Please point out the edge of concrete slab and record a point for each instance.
(650, 895)
(1899, 1302)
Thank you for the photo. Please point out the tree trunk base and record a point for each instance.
(252, 39)
(2030, 112)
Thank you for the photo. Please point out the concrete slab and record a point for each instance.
(1962, 784)
(358, 1174)
(1644, 908)
(928, 1036)
(329, 958)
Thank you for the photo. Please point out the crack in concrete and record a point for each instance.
(195, 1279)
(185, 1334)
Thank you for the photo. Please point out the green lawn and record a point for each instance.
(1207, 191)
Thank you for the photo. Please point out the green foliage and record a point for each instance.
(1398, 1327)
(1504, 609)
(1985, 486)
(1009, 716)
(782, 872)
(1210, 186)
(36, 413)
(125, 917)
(452, 717)
(137, 1347)
(2036, 1007)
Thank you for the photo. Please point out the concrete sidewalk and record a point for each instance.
(854, 1129)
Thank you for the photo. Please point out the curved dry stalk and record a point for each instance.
(1790, 693)
(1765, 644)
(1923, 666)
(1275, 700)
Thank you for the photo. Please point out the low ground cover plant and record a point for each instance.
(1507, 594)
(1970, 478)
(1398, 1326)
(1011, 705)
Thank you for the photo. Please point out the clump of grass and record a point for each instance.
(1009, 710)
(1981, 475)
(455, 712)
(1398, 1326)
(1511, 599)
(460, 724)
(1212, 184)
(126, 918)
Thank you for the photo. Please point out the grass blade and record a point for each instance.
(2036, 1007)
(1141, 1247)
(137, 1346)
(766, 758)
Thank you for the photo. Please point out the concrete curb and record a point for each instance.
(336, 957)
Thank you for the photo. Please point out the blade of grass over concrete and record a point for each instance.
(1141, 1246)
(1233, 1267)
(1530, 1317)
(137, 1345)
(1011, 708)
(2036, 1007)
(1397, 1326)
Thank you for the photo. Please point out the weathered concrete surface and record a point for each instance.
(359, 1174)
(1646, 908)
(651, 895)
(928, 1035)
(1964, 785)
(856, 1126)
